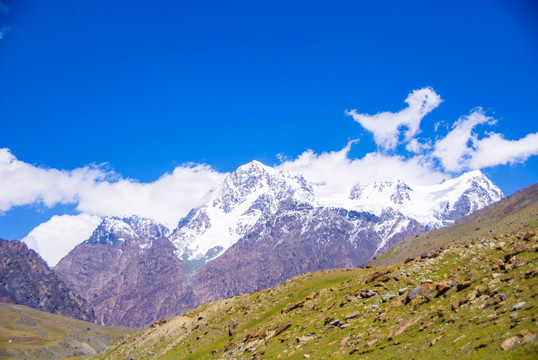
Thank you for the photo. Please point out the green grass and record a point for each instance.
(32, 334)
(474, 329)
(516, 212)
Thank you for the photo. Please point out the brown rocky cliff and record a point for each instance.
(26, 279)
(284, 246)
(132, 284)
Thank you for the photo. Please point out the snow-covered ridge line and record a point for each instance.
(254, 193)
(114, 230)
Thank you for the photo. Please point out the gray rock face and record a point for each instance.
(26, 279)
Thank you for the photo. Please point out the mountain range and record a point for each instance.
(260, 227)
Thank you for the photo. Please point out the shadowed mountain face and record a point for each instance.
(132, 282)
(261, 227)
(26, 279)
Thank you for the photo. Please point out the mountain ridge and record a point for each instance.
(261, 227)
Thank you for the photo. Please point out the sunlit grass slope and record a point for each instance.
(470, 301)
(26, 333)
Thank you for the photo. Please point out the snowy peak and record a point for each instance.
(265, 184)
(116, 230)
(431, 205)
(254, 190)
(396, 192)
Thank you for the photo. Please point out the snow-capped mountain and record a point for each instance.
(255, 192)
(247, 195)
(116, 230)
(431, 205)
(260, 227)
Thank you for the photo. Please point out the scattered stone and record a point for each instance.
(336, 323)
(306, 356)
(518, 306)
(531, 273)
(459, 338)
(463, 285)
(518, 250)
(282, 328)
(375, 276)
(374, 338)
(528, 236)
(443, 287)
(409, 259)
(426, 281)
(352, 315)
(465, 299)
(498, 264)
(515, 314)
(517, 263)
(428, 323)
(405, 324)
(435, 340)
(397, 277)
(509, 343)
(365, 294)
(291, 307)
(529, 338)
(388, 297)
(419, 291)
(430, 254)
(304, 339)
(402, 291)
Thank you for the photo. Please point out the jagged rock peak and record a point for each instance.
(115, 230)
(254, 179)
(252, 191)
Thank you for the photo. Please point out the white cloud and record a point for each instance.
(167, 199)
(334, 173)
(416, 147)
(495, 150)
(99, 192)
(462, 149)
(22, 183)
(55, 238)
(388, 126)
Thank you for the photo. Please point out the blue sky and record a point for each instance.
(141, 88)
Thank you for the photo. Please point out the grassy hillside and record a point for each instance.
(513, 213)
(472, 301)
(26, 333)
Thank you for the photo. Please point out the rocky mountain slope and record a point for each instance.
(512, 213)
(470, 301)
(128, 272)
(261, 227)
(26, 333)
(26, 279)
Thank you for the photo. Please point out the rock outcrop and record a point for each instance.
(25, 279)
